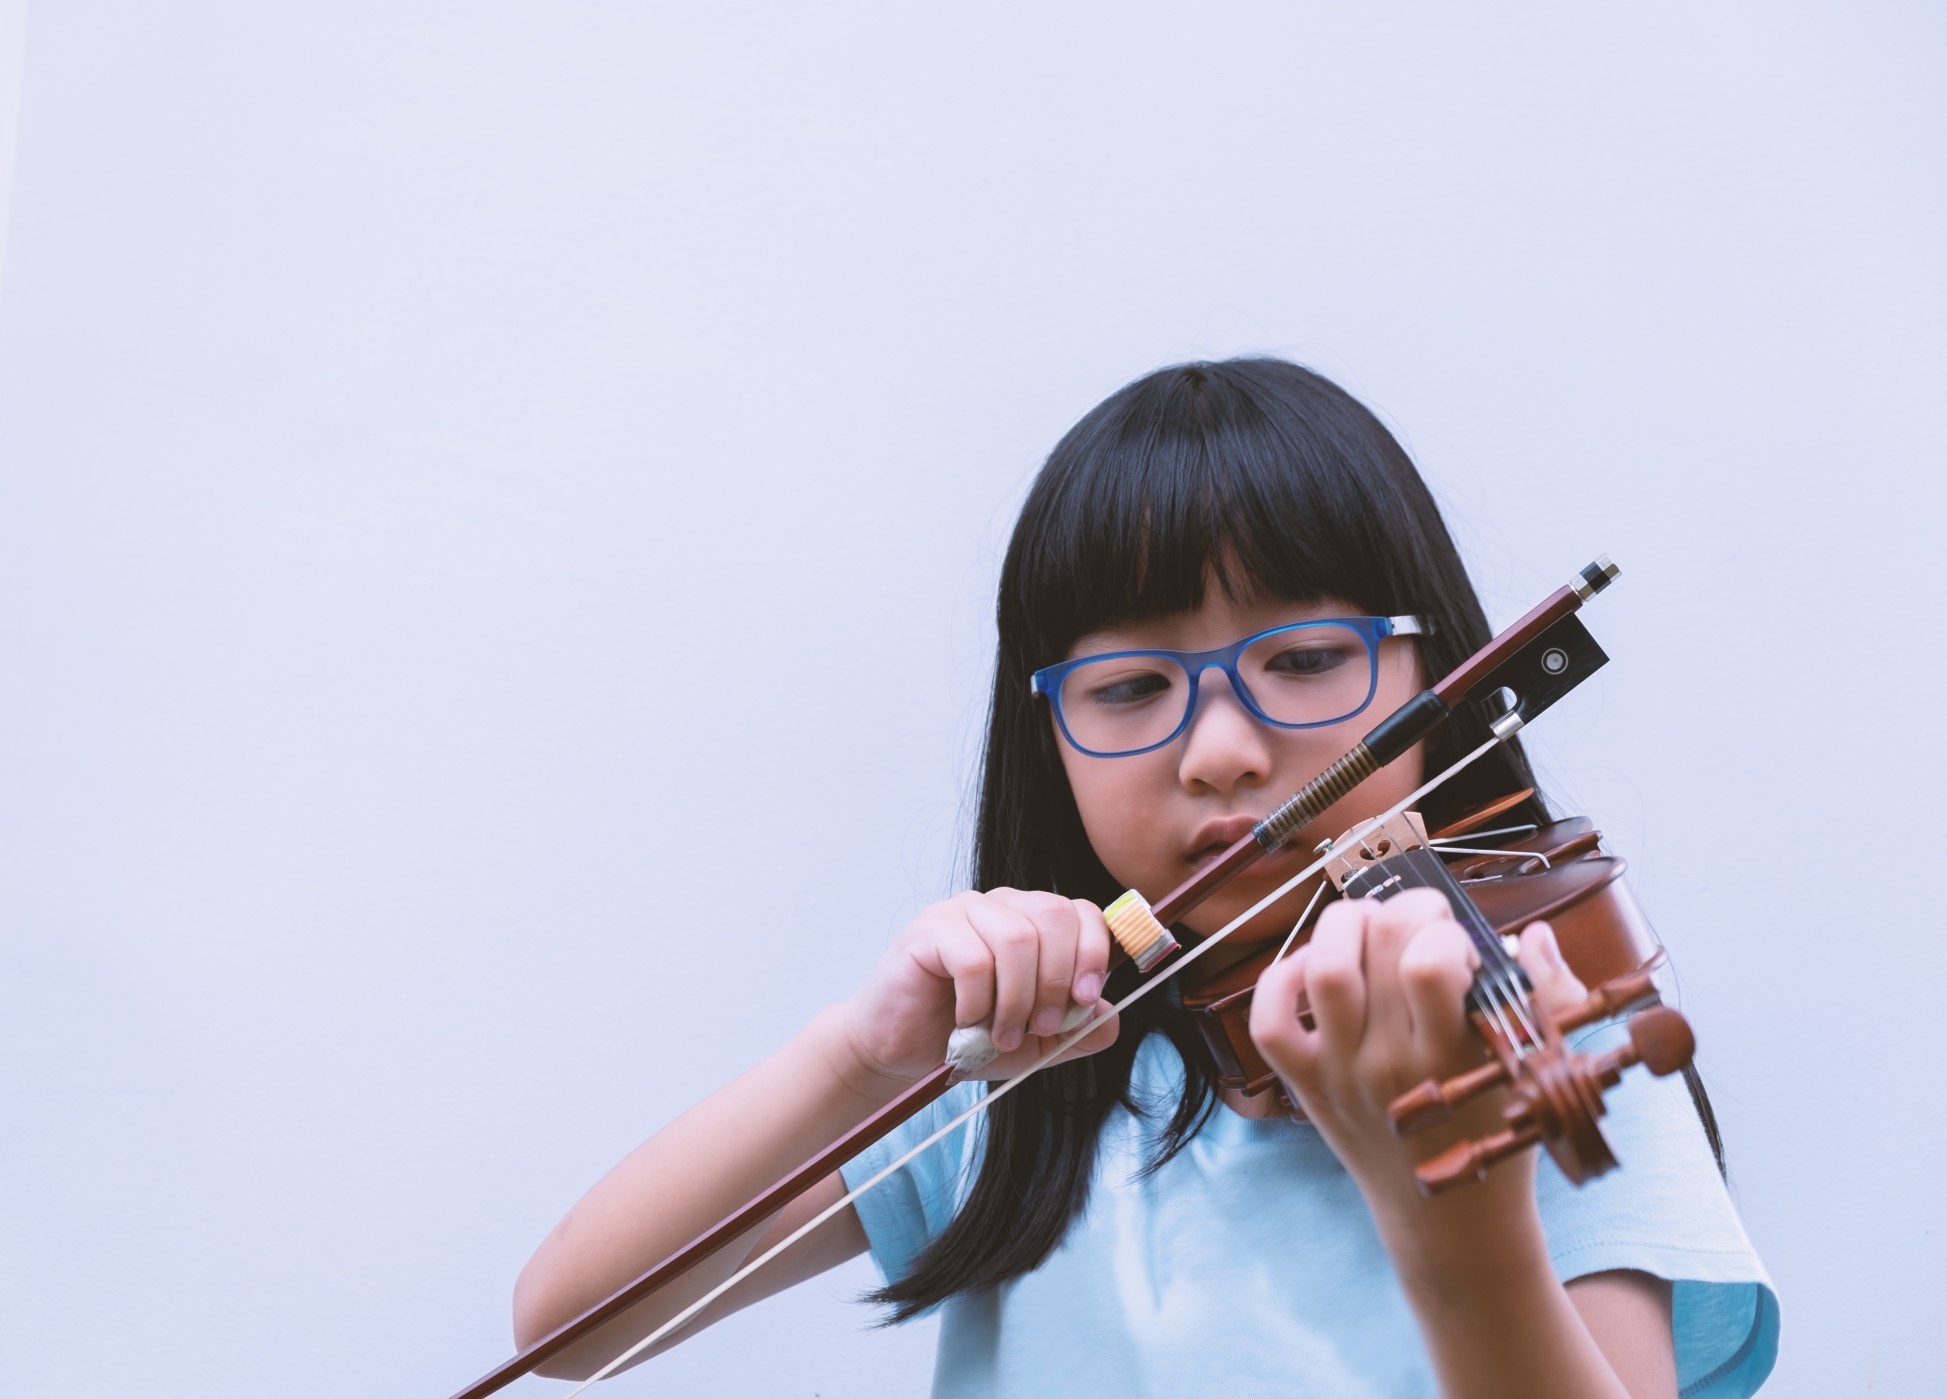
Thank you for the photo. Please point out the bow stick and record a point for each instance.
(1531, 665)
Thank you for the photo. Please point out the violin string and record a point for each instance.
(1500, 986)
(1500, 998)
(1499, 995)
(1292, 936)
(1479, 850)
(1505, 983)
(1521, 1010)
(995, 1093)
(1508, 984)
(1526, 828)
(1490, 1004)
(1494, 1002)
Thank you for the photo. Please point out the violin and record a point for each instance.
(1554, 1095)
(1557, 872)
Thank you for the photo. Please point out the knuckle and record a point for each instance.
(1017, 937)
(1274, 1019)
(1427, 902)
(1418, 961)
(1276, 1037)
(1332, 975)
(1339, 957)
(1263, 1018)
(1424, 968)
(1412, 909)
(1277, 980)
(938, 915)
(1057, 914)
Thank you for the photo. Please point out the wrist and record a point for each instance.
(856, 1072)
(1459, 1234)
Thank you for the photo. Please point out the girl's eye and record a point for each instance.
(1303, 661)
(1126, 688)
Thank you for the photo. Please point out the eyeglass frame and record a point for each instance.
(1046, 682)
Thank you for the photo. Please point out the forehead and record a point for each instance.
(1218, 621)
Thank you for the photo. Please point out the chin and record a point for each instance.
(1272, 925)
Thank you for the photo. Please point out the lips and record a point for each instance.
(1217, 835)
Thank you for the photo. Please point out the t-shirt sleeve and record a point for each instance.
(1665, 1211)
(904, 1213)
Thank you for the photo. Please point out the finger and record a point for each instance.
(1435, 971)
(1015, 944)
(1556, 987)
(1059, 928)
(965, 957)
(1394, 922)
(1276, 1030)
(1092, 944)
(1334, 974)
(1392, 927)
(1097, 1039)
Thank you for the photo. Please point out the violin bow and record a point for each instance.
(1531, 665)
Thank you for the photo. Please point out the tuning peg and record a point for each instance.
(1465, 1161)
(1611, 998)
(1659, 1039)
(1434, 1101)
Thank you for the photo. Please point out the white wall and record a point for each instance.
(411, 416)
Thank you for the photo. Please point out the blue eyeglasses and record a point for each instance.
(1301, 676)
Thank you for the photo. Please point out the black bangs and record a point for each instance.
(1256, 475)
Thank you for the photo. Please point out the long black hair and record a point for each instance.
(1268, 481)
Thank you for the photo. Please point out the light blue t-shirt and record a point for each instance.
(1249, 1264)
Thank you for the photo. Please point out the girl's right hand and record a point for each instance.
(1016, 957)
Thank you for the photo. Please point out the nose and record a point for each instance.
(1226, 749)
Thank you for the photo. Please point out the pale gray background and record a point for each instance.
(414, 417)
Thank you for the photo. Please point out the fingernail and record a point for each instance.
(1047, 1020)
(1087, 987)
(1009, 1040)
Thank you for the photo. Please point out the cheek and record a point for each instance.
(1117, 800)
(1377, 793)
(1400, 679)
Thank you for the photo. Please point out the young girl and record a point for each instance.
(1119, 1225)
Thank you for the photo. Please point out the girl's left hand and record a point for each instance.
(1387, 984)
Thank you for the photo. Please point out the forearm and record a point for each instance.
(1497, 1322)
(694, 1172)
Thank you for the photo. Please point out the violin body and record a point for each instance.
(1557, 873)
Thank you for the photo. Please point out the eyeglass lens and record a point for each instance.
(1309, 675)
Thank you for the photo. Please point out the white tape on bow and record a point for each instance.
(970, 1050)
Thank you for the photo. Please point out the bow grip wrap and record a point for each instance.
(972, 1048)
